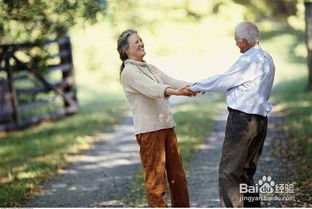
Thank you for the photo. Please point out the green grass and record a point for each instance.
(194, 121)
(32, 156)
(294, 100)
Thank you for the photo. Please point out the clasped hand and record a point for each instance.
(186, 91)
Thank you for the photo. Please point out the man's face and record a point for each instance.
(241, 44)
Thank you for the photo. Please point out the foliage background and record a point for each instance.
(187, 39)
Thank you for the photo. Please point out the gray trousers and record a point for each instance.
(243, 143)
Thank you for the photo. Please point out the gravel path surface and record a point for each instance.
(98, 177)
(203, 170)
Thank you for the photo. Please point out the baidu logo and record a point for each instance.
(266, 185)
(268, 190)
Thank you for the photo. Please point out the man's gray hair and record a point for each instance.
(248, 31)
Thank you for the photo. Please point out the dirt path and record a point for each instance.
(203, 170)
(98, 177)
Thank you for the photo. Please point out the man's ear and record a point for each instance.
(245, 41)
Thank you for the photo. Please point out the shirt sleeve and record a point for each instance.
(137, 82)
(240, 73)
(174, 83)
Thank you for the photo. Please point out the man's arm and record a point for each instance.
(238, 74)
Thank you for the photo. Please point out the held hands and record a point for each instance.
(183, 91)
(189, 88)
(186, 91)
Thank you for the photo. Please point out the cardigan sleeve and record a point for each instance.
(169, 80)
(135, 81)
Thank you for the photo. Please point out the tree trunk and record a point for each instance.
(308, 21)
(69, 74)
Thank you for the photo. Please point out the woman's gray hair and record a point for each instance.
(123, 45)
(248, 31)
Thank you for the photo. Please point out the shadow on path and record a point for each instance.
(98, 177)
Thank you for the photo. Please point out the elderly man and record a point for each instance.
(248, 85)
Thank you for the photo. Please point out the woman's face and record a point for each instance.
(136, 47)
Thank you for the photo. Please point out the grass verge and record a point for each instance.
(294, 101)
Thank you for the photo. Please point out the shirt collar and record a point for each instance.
(252, 50)
(135, 62)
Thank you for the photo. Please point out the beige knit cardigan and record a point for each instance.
(144, 86)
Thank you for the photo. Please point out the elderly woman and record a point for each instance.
(147, 90)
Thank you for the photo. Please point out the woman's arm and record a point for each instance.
(168, 79)
(183, 91)
(136, 82)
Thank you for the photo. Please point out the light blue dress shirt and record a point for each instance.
(248, 83)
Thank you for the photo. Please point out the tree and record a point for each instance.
(308, 20)
(29, 20)
(277, 9)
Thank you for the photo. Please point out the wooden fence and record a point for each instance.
(17, 67)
